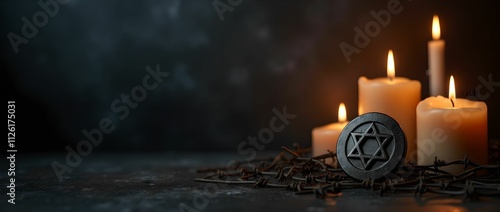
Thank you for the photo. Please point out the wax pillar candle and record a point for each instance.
(436, 60)
(325, 138)
(450, 128)
(394, 96)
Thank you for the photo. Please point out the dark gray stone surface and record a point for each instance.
(165, 182)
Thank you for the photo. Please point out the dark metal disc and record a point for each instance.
(371, 146)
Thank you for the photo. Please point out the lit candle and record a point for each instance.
(325, 138)
(436, 60)
(449, 128)
(394, 96)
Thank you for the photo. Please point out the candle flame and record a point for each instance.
(391, 70)
(451, 93)
(436, 29)
(342, 113)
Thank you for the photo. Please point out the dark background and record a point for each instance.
(226, 77)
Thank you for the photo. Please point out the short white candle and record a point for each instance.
(450, 128)
(395, 96)
(325, 138)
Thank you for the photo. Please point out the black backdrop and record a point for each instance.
(225, 76)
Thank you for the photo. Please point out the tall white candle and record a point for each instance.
(436, 60)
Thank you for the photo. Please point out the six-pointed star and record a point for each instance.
(360, 138)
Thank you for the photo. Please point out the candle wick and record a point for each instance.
(452, 103)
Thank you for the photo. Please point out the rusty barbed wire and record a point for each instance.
(311, 175)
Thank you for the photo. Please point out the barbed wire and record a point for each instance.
(294, 170)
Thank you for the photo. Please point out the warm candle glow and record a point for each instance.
(391, 70)
(451, 93)
(436, 29)
(342, 113)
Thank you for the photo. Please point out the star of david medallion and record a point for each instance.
(371, 146)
